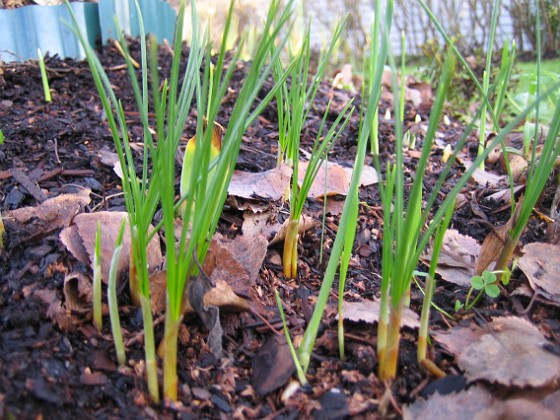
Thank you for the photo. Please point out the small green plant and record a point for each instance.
(540, 167)
(486, 283)
(429, 292)
(112, 298)
(208, 175)
(44, 78)
(293, 108)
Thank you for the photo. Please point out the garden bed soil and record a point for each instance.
(47, 371)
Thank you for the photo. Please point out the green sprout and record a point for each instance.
(429, 293)
(293, 110)
(487, 283)
(208, 176)
(44, 77)
(112, 297)
(97, 316)
(540, 167)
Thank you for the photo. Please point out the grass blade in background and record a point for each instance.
(97, 315)
(112, 298)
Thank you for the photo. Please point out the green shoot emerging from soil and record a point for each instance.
(296, 102)
(44, 77)
(97, 315)
(207, 174)
(112, 298)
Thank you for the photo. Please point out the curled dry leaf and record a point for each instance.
(541, 264)
(504, 194)
(457, 258)
(80, 241)
(55, 212)
(485, 178)
(78, 293)
(511, 354)
(493, 244)
(267, 225)
(231, 267)
(368, 311)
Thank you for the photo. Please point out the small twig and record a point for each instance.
(120, 50)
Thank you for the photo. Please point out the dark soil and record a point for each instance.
(50, 372)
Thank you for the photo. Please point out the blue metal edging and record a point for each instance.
(24, 30)
(159, 18)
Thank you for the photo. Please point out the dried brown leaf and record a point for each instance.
(267, 225)
(55, 212)
(511, 354)
(541, 264)
(271, 185)
(485, 178)
(231, 266)
(464, 405)
(493, 244)
(455, 340)
(78, 293)
(457, 258)
(334, 179)
(368, 311)
(81, 236)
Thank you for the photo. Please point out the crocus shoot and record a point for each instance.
(293, 112)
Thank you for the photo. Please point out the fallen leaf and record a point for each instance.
(457, 258)
(57, 211)
(80, 241)
(464, 405)
(78, 293)
(455, 340)
(231, 267)
(272, 366)
(485, 178)
(55, 311)
(368, 311)
(333, 179)
(267, 225)
(493, 244)
(504, 194)
(270, 185)
(541, 264)
(512, 354)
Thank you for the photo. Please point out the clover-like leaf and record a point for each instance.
(477, 282)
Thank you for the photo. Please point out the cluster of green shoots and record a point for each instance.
(409, 226)
(294, 104)
(205, 178)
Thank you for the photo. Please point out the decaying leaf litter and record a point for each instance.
(55, 363)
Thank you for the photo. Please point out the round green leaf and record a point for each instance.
(492, 290)
(477, 282)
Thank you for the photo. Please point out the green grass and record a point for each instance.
(523, 71)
